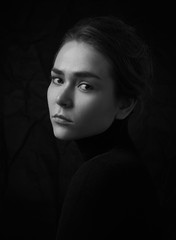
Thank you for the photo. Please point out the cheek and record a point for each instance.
(51, 93)
(50, 96)
(94, 118)
(96, 108)
(86, 105)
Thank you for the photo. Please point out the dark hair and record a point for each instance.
(128, 54)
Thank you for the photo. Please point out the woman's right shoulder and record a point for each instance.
(112, 167)
(113, 160)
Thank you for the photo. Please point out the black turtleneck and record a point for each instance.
(116, 136)
(111, 196)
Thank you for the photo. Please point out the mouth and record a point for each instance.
(62, 119)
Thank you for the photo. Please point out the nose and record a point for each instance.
(65, 98)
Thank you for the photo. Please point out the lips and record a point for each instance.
(62, 119)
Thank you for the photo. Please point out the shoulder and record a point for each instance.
(115, 160)
(116, 168)
(109, 193)
(116, 178)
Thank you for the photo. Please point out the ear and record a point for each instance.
(125, 107)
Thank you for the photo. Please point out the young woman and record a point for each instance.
(102, 69)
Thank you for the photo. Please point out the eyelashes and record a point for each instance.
(83, 86)
(57, 80)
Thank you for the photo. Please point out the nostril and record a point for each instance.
(65, 97)
(65, 102)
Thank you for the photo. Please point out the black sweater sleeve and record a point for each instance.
(109, 199)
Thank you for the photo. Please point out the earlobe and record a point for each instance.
(124, 109)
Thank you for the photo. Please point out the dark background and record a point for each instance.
(35, 169)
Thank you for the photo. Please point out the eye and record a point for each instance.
(57, 80)
(85, 87)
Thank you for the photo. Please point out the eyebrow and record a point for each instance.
(81, 74)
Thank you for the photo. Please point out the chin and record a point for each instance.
(68, 134)
(63, 135)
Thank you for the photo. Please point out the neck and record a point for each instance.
(115, 136)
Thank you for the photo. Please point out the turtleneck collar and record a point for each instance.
(116, 136)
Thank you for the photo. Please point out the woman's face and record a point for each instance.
(81, 95)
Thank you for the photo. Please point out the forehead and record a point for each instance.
(77, 56)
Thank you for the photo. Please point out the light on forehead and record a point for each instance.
(81, 60)
(81, 74)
